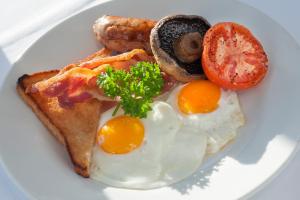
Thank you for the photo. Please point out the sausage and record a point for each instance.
(123, 34)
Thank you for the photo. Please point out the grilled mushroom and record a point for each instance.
(176, 43)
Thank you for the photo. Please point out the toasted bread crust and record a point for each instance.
(21, 87)
(76, 128)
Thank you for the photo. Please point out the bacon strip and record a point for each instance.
(136, 54)
(102, 53)
(77, 82)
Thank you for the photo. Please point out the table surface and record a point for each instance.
(286, 13)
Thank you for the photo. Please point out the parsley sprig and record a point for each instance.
(136, 88)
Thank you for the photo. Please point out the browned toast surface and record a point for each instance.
(76, 128)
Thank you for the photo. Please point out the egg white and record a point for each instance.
(170, 152)
(220, 126)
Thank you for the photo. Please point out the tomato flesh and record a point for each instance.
(232, 57)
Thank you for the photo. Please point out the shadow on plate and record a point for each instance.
(199, 179)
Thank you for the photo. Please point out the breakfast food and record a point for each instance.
(205, 107)
(232, 57)
(135, 120)
(123, 34)
(176, 43)
(75, 128)
(159, 157)
(78, 83)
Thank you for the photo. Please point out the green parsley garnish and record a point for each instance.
(136, 88)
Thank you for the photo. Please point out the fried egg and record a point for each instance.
(206, 108)
(146, 153)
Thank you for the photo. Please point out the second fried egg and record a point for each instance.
(205, 108)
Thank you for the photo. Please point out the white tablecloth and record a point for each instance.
(22, 22)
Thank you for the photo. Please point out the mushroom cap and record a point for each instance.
(163, 37)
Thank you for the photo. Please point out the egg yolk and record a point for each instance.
(121, 135)
(201, 96)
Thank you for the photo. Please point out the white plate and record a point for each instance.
(41, 167)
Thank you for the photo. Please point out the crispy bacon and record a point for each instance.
(104, 52)
(77, 82)
(67, 101)
(131, 57)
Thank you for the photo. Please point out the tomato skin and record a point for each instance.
(232, 57)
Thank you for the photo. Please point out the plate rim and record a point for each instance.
(20, 57)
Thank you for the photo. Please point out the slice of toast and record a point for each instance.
(76, 128)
